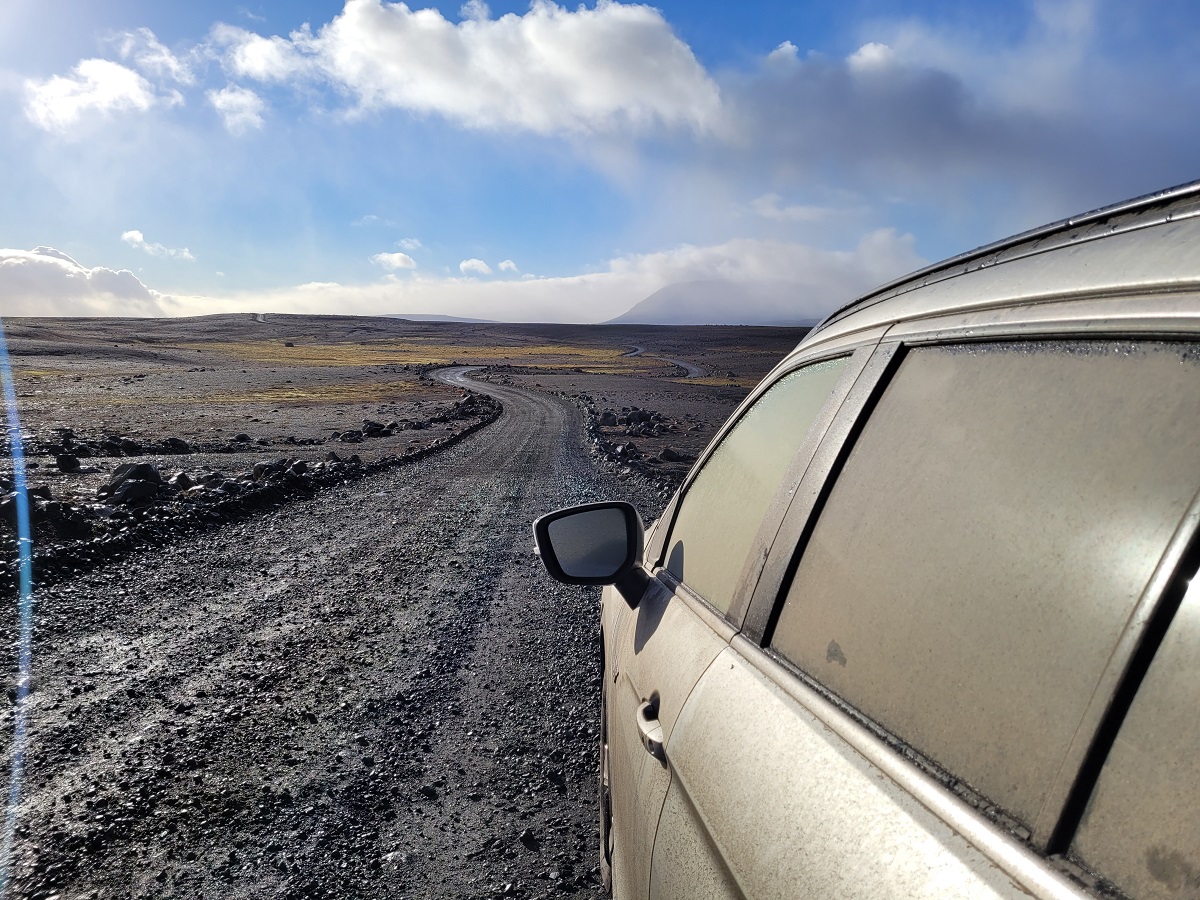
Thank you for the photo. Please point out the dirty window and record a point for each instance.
(985, 542)
(1140, 828)
(721, 512)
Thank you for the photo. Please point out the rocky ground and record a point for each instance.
(362, 684)
(373, 693)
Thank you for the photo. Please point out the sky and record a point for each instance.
(538, 162)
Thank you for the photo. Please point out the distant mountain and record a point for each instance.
(434, 317)
(721, 303)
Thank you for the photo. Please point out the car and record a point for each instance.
(919, 623)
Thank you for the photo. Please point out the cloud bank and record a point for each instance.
(820, 280)
(47, 282)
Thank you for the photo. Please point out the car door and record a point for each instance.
(939, 632)
(658, 651)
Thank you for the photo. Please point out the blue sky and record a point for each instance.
(538, 162)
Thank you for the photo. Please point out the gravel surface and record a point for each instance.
(376, 692)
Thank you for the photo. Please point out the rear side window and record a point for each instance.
(720, 514)
(1140, 829)
(986, 541)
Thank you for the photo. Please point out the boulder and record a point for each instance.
(67, 462)
(134, 489)
(134, 472)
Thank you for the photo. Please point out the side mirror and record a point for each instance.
(597, 543)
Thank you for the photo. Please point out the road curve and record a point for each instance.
(691, 370)
(373, 693)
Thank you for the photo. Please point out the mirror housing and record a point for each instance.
(596, 543)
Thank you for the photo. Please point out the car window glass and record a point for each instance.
(990, 532)
(1140, 829)
(720, 514)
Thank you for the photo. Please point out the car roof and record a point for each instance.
(1144, 245)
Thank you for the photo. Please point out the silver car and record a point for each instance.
(918, 623)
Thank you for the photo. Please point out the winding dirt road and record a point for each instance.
(373, 693)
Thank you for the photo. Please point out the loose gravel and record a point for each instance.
(375, 692)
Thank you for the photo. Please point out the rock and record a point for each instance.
(299, 467)
(180, 481)
(529, 840)
(608, 419)
(429, 791)
(67, 462)
(177, 445)
(332, 457)
(130, 447)
(134, 472)
(133, 489)
(669, 454)
(241, 438)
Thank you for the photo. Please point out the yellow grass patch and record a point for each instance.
(721, 381)
(20, 373)
(317, 394)
(381, 353)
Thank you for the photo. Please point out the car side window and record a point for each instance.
(1139, 830)
(992, 528)
(720, 514)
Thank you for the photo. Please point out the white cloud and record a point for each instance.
(47, 282)
(784, 55)
(151, 57)
(136, 239)
(272, 59)
(94, 85)
(394, 261)
(549, 71)
(372, 220)
(508, 265)
(475, 9)
(478, 266)
(240, 108)
(410, 244)
(768, 206)
(870, 57)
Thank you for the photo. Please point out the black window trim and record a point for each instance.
(857, 359)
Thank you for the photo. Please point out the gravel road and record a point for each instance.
(374, 693)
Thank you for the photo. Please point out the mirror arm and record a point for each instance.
(632, 585)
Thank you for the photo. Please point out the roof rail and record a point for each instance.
(1157, 198)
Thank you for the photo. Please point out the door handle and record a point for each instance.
(650, 730)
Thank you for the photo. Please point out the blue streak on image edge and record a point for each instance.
(25, 601)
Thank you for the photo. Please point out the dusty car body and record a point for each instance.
(918, 623)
